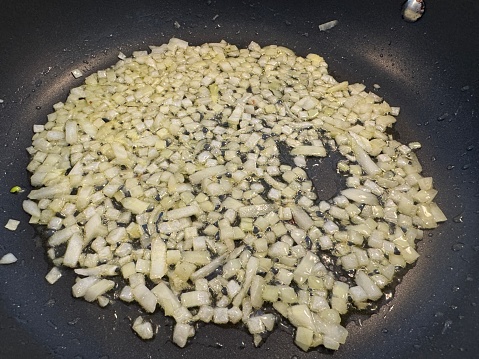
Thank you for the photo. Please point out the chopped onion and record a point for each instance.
(8, 258)
(77, 73)
(328, 25)
(167, 170)
(143, 328)
(53, 275)
(12, 224)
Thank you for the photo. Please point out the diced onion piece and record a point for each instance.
(181, 333)
(316, 151)
(53, 275)
(143, 328)
(159, 264)
(166, 298)
(195, 298)
(73, 251)
(304, 338)
(302, 219)
(101, 270)
(145, 297)
(8, 258)
(328, 25)
(77, 73)
(135, 205)
(98, 288)
(199, 176)
(31, 208)
(182, 212)
(81, 286)
(360, 196)
(371, 289)
(12, 224)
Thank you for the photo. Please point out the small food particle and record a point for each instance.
(38, 128)
(143, 328)
(53, 275)
(328, 25)
(12, 224)
(77, 73)
(8, 258)
(16, 189)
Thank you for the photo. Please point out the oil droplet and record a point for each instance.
(459, 246)
(242, 346)
(458, 219)
(438, 314)
(466, 166)
(455, 288)
(453, 307)
(38, 107)
(294, 357)
(218, 345)
(450, 167)
(385, 330)
(470, 148)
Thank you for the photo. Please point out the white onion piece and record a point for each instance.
(12, 224)
(360, 196)
(371, 289)
(143, 328)
(53, 275)
(328, 25)
(8, 258)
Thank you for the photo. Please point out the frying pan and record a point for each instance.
(429, 68)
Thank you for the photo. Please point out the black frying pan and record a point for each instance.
(429, 68)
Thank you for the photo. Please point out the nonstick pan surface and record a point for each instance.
(429, 68)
